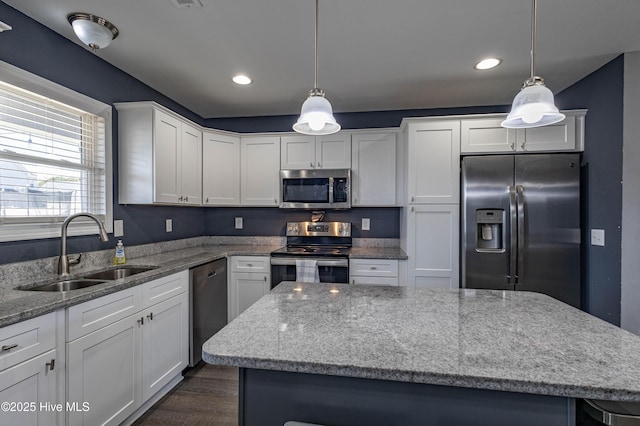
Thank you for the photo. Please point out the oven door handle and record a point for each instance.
(288, 261)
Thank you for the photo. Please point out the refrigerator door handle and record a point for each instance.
(513, 236)
(521, 242)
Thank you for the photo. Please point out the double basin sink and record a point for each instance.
(91, 279)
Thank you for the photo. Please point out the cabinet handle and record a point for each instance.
(265, 278)
(413, 199)
(319, 165)
(150, 316)
(373, 268)
(513, 145)
(180, 198)
(51, 364)
(250, 265)
(275, 201)
(310, 164)
(522, 146)
(353, 281)
(9, 347)
(413, 209)
(206, 201)
(141, 321)
(186, 198)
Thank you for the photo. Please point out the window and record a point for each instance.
(54, 157)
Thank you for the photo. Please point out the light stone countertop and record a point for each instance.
(510, 341)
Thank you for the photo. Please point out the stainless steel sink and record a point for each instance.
(118, 272)
(66, 285)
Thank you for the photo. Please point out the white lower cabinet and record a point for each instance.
(125, 362)
(432, 241)
(249, 280)
(32, 371)
(373, 271)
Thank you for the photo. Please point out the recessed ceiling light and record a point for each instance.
(487, 64)
(242, 80)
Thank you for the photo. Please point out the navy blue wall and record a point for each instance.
(602, 93)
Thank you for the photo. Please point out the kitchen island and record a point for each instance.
(347, 354)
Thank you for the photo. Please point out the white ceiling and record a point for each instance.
(373, 54)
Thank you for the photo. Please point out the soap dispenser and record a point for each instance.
(119, 258)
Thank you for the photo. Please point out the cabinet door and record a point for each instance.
(373, 170)
(247, 288)
(220, 169)
(165, 343)
(260, 171)
(30, 384)
(190, 165)
(432, 244)
(297, 152)
(166, 152)
(333, 151)
(480, 135)
(434, 162)
(103, 369)
(555, 137)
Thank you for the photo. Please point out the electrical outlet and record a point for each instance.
(169, 225)
(366, 224)
(118, 228)
(597, 237)
(238, 223)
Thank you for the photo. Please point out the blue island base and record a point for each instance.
(270, 397)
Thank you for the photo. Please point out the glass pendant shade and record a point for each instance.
(316, 116)
(95, 32)
(533, 106)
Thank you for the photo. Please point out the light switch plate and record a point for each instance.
(366, 224)
(238, 223)
(597, 237)
(118, 228)
(169, 225)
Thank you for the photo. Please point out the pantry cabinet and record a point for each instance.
(316, 152)
(159, 156)
(374, 170)
(260, 171)
(220, 169)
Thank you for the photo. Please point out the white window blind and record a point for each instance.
(52, 159)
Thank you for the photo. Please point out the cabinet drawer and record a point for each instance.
(374, 267)
(251, 264)
(27, 339)
(90, 316)
(164, 288)
(374, 280)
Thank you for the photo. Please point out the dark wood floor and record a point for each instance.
(208, 395)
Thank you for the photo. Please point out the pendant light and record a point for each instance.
(316, 115)
(533, 106)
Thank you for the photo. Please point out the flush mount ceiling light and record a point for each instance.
(316, 115)
(92, 30)
(241, 79)
(487, 64)
(533, 106)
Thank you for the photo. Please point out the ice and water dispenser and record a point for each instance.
(489, 229)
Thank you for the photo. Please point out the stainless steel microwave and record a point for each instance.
(315, 189)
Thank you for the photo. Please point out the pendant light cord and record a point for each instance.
(315, 79)
(533, 37)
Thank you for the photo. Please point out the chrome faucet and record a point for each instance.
(63, 261)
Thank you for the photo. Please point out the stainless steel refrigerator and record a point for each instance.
(521, 224)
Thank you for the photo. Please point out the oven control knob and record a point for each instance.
(292, 229)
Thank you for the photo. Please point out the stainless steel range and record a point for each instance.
(328, 243)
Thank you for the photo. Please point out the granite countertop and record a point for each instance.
(510, 341)
(19, 305)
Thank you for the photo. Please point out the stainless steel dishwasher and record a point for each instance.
(208, 307)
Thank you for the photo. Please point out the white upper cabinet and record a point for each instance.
(220, 169)
(160, 156)
(433, 161)
(260, 171)
(374, 169)
(316, 152)
(485, 135)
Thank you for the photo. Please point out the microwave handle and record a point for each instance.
(330, 190)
